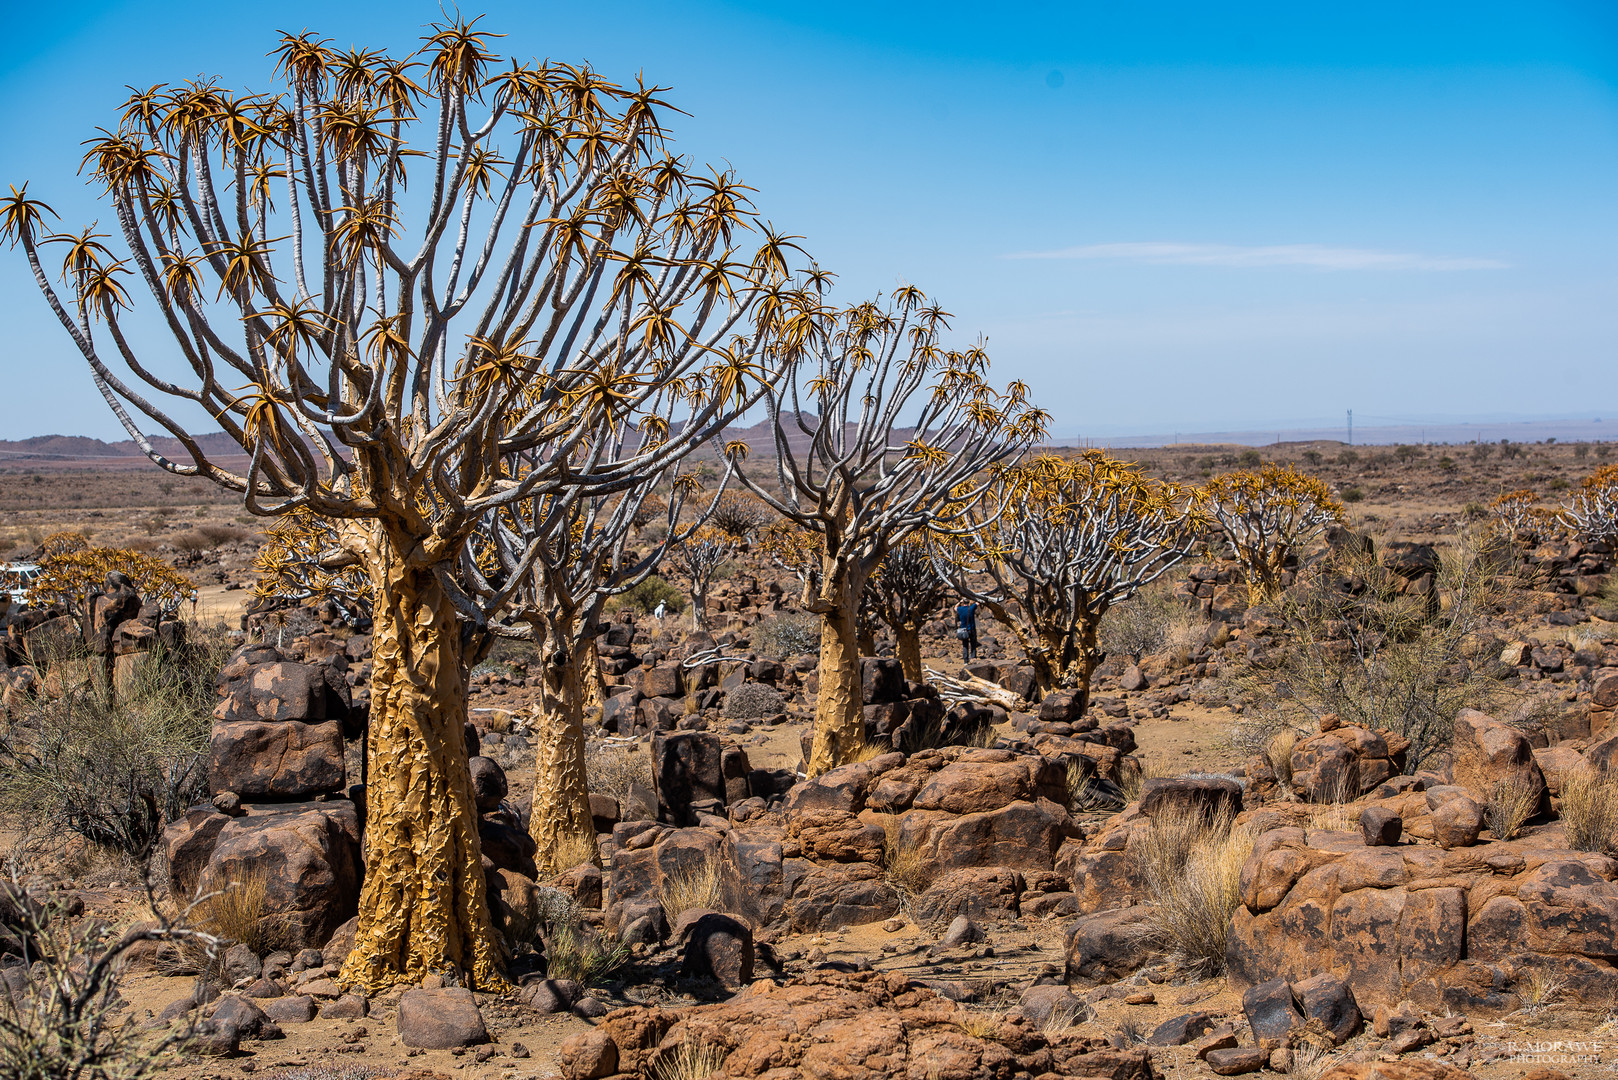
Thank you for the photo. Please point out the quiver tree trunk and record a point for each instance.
(424, 906)
(907, 642)
(560, 822)
(840, 705)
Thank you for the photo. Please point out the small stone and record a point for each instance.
(440, 1019)
(893, 926)
(963, 931)
(1237, 1060)
(347, 1007)
(1179, 1030)
(589, 1008)
(1271, 1012)
(589, 1055)
(1380, 826)
(1407, 1041)
(1451, 1027)
(1223, 1039)
(228, 803)
(1144, 997)
(299, 1009)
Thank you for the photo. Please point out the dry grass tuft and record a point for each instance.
(1337, 814)
(1278, 752)
(690, 888)
(691, 1060)
(1539, 989)
(981, 1024)
(872, 750)
(1192, 866)
(1590, 810)
(575, 850)
(1310, 1061)
(1511, 802)
(903, 861)
(235, 912)
(1133, 773)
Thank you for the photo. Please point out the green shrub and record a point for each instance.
(1353, 495)
(644, 598)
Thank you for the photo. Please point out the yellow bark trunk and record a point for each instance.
(909, 648)
(424, 906)
(560, 822)
(839, 708)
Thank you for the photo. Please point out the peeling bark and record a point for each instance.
(424, 906)
(840, 707)
(560, 821)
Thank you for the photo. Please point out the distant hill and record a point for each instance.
(79, 451)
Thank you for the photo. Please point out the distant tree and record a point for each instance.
(66, 578)
(699, 557)
(1055, 544)
(1593, 509)
(1266, 516)
(905, 591)
(843, 469)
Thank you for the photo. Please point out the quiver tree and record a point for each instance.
(905, 590)
(68, 577)
(304, 560)
(740, 516)
(1515, 517)
(548, 567)
(846, 470)
(1266, 515)
(1055, 544)
(1593, 510)
(699, 557)
(554, 273)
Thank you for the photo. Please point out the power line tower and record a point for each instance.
(1351, 427)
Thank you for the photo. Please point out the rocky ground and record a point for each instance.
(946, 911)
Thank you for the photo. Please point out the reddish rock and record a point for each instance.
(1488, 752)
(440, 1019)
(263, 760)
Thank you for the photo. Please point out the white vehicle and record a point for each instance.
(15, 579)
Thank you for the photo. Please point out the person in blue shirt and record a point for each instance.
(966, 629)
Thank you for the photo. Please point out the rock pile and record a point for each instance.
(279, 816)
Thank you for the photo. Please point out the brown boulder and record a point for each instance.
(264, 760)
(1488, 752)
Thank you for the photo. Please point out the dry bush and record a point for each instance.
(903, 861)
(1192, 867)
(1539, 988)
(1154, 620)
(614, 767)
(74, 1025)
(690, 887)
(573, 950)
(690, 1060)
(1590, 810)
(1379, 657)
(781, 636)
(1061, 1021)
(115, 770)
(219, 534)
(1510, 803)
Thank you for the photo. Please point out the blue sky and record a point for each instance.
(1162, 216)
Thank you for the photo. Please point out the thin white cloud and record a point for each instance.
(1313, 256)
